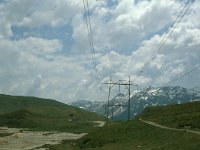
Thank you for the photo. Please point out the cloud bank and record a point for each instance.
(45, 50)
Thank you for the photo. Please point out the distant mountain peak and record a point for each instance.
(148, 97)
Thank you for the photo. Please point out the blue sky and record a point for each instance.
(45, 50)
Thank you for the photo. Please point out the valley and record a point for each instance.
(23, 139)
(49, 125)
(99, 75)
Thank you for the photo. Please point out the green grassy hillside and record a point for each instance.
(132, 135)
(178, 116)
(44, 114)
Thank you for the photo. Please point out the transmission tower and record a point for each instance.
(119, 83)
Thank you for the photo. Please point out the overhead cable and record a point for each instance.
(182, 75)
(90, 33)
(179, 18)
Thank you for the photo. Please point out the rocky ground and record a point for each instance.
(20, 139)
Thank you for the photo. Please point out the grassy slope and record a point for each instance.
(43, 114)
(177, 116)
(133, 135)
(12, 103)
(138, 135)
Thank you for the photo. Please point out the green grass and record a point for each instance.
(177, 116)
(132, 135)
(117, 135)
(13, 103)
(43, 114)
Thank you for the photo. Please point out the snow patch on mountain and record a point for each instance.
(148, 97)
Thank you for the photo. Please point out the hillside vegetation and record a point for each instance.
(138, 135)
(132, 135)
(43, 114)
(177, 116)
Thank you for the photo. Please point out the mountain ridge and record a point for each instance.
(148, 97)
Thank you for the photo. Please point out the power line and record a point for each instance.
(164, 40)
(90, 34)
(166, 37)
(125, 6)
(182, 75)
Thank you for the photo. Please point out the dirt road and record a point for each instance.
(99, 123)
(169, 128)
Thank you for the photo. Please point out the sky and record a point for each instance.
(45, 51)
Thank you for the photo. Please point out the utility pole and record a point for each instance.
(112, 112)
(119, 83)
(111, 85)
(108, 98)
(129, 99)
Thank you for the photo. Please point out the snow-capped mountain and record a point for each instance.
(147, 97)
(92, 106)
(154, 97)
